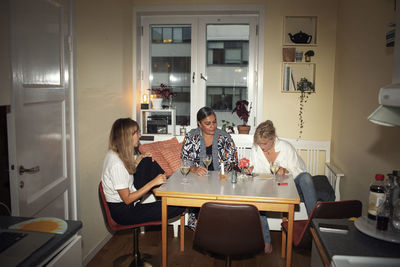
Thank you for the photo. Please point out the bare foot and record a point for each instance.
(268, 248)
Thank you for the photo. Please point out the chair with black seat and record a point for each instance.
(324, 210)
(230, 230)
(137, 260)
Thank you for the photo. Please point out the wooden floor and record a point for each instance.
(150, 242)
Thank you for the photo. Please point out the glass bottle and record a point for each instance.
(383, 213)
(396, 186)
(376, 195)
(396, 202)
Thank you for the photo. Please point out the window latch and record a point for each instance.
(203, 77)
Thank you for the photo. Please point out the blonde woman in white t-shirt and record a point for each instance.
(126, 179)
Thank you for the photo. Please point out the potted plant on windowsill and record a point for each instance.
(243, 113)
(228, 126)
(184, 124)
(161, 93)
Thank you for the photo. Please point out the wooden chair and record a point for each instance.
(137, 260)
(230, 230)
(323, 209)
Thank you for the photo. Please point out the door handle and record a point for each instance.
(203, 77)
(33, 170)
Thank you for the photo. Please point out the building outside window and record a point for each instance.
(206, 60)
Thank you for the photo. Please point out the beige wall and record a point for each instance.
(104, 93)
(104, 45)
(5, 74)
(283, 108)
(363, 65)
(350, 56)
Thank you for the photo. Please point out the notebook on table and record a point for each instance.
(17, 245)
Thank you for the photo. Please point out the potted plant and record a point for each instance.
(161, 93)
(308, 55)
(306, 88)
(184, 123)
(228, 126)
(243, 113)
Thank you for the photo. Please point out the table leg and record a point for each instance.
(164, 230)
(289, 236)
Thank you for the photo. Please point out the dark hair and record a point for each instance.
(204, 112)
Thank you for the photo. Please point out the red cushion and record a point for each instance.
(172, 154)
(154, 149)
(166, 153)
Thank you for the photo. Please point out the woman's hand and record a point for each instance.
(128, 197)
(198, 170)
(160, 179)
(141, 156)
(282, 171)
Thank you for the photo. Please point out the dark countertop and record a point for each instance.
(354, 243)
(42, 253)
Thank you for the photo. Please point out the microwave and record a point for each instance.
(157, 124)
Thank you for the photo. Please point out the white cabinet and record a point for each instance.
(147, 114)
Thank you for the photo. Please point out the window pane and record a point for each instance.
(233, 56)
(167, 35)
(170, 65)
(227, 68)
(156, 35)
(177, 35)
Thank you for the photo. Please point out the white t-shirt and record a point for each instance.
(115, 177)
(287, 158)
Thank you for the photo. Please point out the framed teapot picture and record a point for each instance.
(300, 30)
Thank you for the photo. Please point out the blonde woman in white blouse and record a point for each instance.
(268, 148)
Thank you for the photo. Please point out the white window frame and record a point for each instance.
(159, 15)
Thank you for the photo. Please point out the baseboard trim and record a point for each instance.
(96, 249)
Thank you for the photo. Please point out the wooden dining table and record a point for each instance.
(264, 193)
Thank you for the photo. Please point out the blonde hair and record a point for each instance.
(265, 130)
(120, 141)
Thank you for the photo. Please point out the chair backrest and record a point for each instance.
(229, 229)
(111, 223)
(328, 210)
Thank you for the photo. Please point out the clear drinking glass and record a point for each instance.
(185, 169)
(207, 161)
(274, 167)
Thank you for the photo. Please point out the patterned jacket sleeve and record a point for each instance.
(190, 150)
(230, 153)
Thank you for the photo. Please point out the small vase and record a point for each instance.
(157, 103)
(242, 177)
(243, 129)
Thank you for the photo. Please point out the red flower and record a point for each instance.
(244, 163)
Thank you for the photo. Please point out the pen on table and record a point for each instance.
(282, 183)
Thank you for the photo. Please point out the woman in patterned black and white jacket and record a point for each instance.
(207, 139)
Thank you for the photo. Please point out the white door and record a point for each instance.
(40, 124)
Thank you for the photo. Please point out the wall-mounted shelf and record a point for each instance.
(292, 72)
(295, 24)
